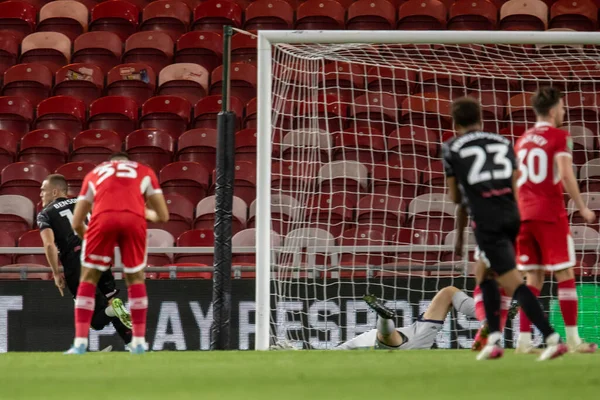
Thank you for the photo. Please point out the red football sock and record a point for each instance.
(138, 303)
(84, 309)
(524, 322)
(479, 309)
(504, 307)
(567, 298)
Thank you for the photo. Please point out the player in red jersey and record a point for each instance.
(116, 192)
(544, 242)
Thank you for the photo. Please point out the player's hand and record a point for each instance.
(59, 282)
(151, 215)
(588, 215)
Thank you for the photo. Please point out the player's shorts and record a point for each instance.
(106, 288)
(545, 245)
(419, 335)
(115, 229)
(496, 247)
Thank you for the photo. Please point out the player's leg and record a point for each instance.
(365, 340)
(447, 297)
(386, 329)
(132, 242)
(108, 287)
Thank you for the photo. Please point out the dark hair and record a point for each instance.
(545, 99)
(466, 111)
(120, 154)
(58, 181)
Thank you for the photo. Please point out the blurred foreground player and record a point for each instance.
(544, 242)
(116, 191)
(54, 223)
(481, 175)
(419, 335)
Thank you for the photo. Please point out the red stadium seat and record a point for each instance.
(469, 15)
(432, 212)
(136, 80)
(418, 237)
(82, 81)
(205, 214)
(186, 178)
(31, 239)
(168, 16)
(350, 177)
(16, 114)
(95, 146)
(16, 214)
(198, 145)
(585, 73)
(67, 17)
(284, 212)
(23, 179)
(8, 148)
(213, 15)
(202, 48)
(416, 141)
(331, 112)
(18, 18)
(9, 50)
(441, 83)
(269, 14)
(519, 111)
(245, 145)
(427, 110)
(196, 238)
(103, 49)
(6, 240)
(159, 238)
(583, 235)
(52, 49)
(207, 109)
(297, 145)
(528, 15)
(119, 17)
(243, 48)
(169, 113)
(33, 81)
(382, 213)
(181, 215)
(366, 146)
(321, 15)
(398, 81)
(584, 142)
(422, 15)
(580, 15)
(247, 238)
(251, 114)
(343, 80)
(244, 183)
(498, 79)
(396, 180)
(242, 80)
(434, 179)
(64, 113)
(592, 200)
(116, 113)
(291, 176)
(360, 237)
(154, 49)
(186, 80)
(582, 108)
(371, 15)
(589, 176)
(47, 147)
(74, 173)
(375, 110)
(152, 147)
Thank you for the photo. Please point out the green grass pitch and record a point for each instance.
(306, 375)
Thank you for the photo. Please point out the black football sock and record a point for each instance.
(533, 310)
(491, 303)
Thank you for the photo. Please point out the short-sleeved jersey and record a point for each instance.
(119, 186)
(57, 216)
(483, 165)
(540, 189)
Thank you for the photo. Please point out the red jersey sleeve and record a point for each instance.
(88, 189)
(150, 184)
(564, 143)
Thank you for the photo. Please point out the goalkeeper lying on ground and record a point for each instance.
(420, 334)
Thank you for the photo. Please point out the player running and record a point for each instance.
(420, 334)
(481, 175)
(60, 242)
(544, 242)
(117, 190)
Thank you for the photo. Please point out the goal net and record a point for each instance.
(351, 183)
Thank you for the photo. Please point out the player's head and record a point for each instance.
(120, 156)
(466, 114)
(548, 105)
(53, 187)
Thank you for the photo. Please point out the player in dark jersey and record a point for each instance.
(60, 242)
(481, 173)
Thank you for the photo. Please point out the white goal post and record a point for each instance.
(293, 88)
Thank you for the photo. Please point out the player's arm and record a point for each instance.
(82, 209)
(453, 191)
(157, 210)
(515, 178)
(462, 219)
(47, 235)
(564, 161)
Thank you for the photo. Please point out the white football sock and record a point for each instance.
(524, 339)
(573, 338)
(494, 338)
(81, 341)
(385, 326)
(137, 340)
(109, 311)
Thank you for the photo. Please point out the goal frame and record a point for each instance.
(264, 91)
